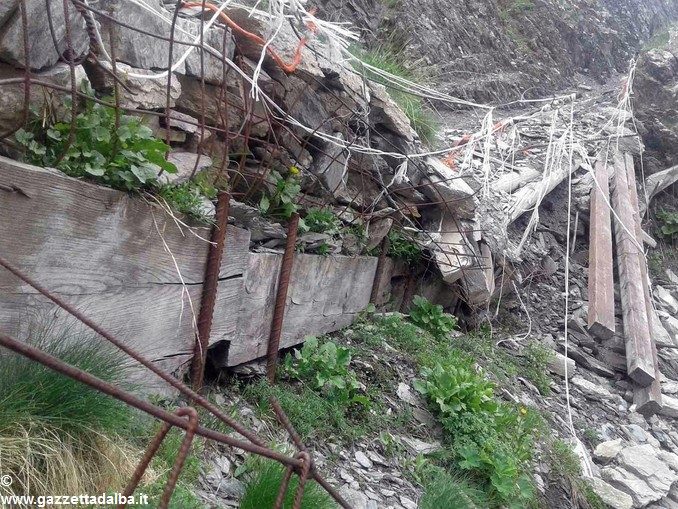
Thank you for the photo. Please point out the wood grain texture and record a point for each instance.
(648, 399)
(601, 278)
(100, 250)
(639, 359)
(326, 293)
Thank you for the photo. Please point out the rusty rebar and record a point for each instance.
(152, 450)
(281, 298)
(167, 377)
(379, 272)
(303, 477)
(209, 290)
(284, 486)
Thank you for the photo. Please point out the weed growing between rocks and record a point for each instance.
(263, 479)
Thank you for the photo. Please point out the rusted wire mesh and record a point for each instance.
(248, 138)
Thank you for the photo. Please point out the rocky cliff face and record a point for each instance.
(489, 50)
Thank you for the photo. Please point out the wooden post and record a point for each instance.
(639, 363)
(648, 399)
(601, 278)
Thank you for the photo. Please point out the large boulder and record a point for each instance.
(46, 44)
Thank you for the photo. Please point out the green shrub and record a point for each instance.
(128, 157)
(669, 224)
(281, 202)
(326, 367)
(454, 387)
(403, 248)
(321, 221)
(263, 482)
(431, 317)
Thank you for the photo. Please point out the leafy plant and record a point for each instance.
(187, 198)
(455, 387)
(403, 248)
(326, 366)
(263, 483)
(431, 317)
(281, 202)
(669, 224)
(126, 157)
(322, 221)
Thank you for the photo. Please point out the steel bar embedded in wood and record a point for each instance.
(209, 290)
(379, 273)
(648, 400)
(601, 278)
(639, 364)
(281, 298)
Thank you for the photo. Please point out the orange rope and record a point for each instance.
(288, 68)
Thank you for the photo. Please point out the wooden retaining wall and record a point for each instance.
(130, 267)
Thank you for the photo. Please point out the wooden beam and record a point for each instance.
(639, 363)
(601, 278)
(648, 399)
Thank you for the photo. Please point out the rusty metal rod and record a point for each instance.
(281, 298)
(192, 395)
(282, 491)
(179, 461)
(303, 477)
(209, 290)
(51, 362)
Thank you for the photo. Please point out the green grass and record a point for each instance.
(537, 358)
(451, 491)
(56, 434)
(387, 59)
(263, 482)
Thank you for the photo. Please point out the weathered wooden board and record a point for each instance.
(101, 251)
(601, 278)
(59, 225)
(648, 399)
(325, 294)
(639, 358)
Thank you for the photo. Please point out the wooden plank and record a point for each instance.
(326, 293)
(648, 399)
(99, 236)
(100, 250)
(639, 361)
(601, 278)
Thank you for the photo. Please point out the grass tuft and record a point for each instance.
(264, 481)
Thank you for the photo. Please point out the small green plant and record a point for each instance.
(669, 224)
(322, 221)
(402, 247)
(451, 491)
(326, 367)
(263, 482)
(565, 465)
(188, 198)
(431, 317)
(455, 387)
(126, 157)
(537, 358)
(388, 59)
(281, 202)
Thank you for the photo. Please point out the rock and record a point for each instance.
(441, 184)
(186, 165)
(670, 458)
(145, 94)
(419, 446)
(635, 433)
(666, 300)
(42, 53)
(607, 451)
(557, 365)
(364, 461)
(42, 99)
(407, 502)
(611, 496)
(250, 219)
(670, 323)
(405, 393)
(592, 391)
(451, 248)
(329, 166)
(376, 231)
(386, 113)
(354, 498)
(669, 406)
(640, 492)
(642, 461)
